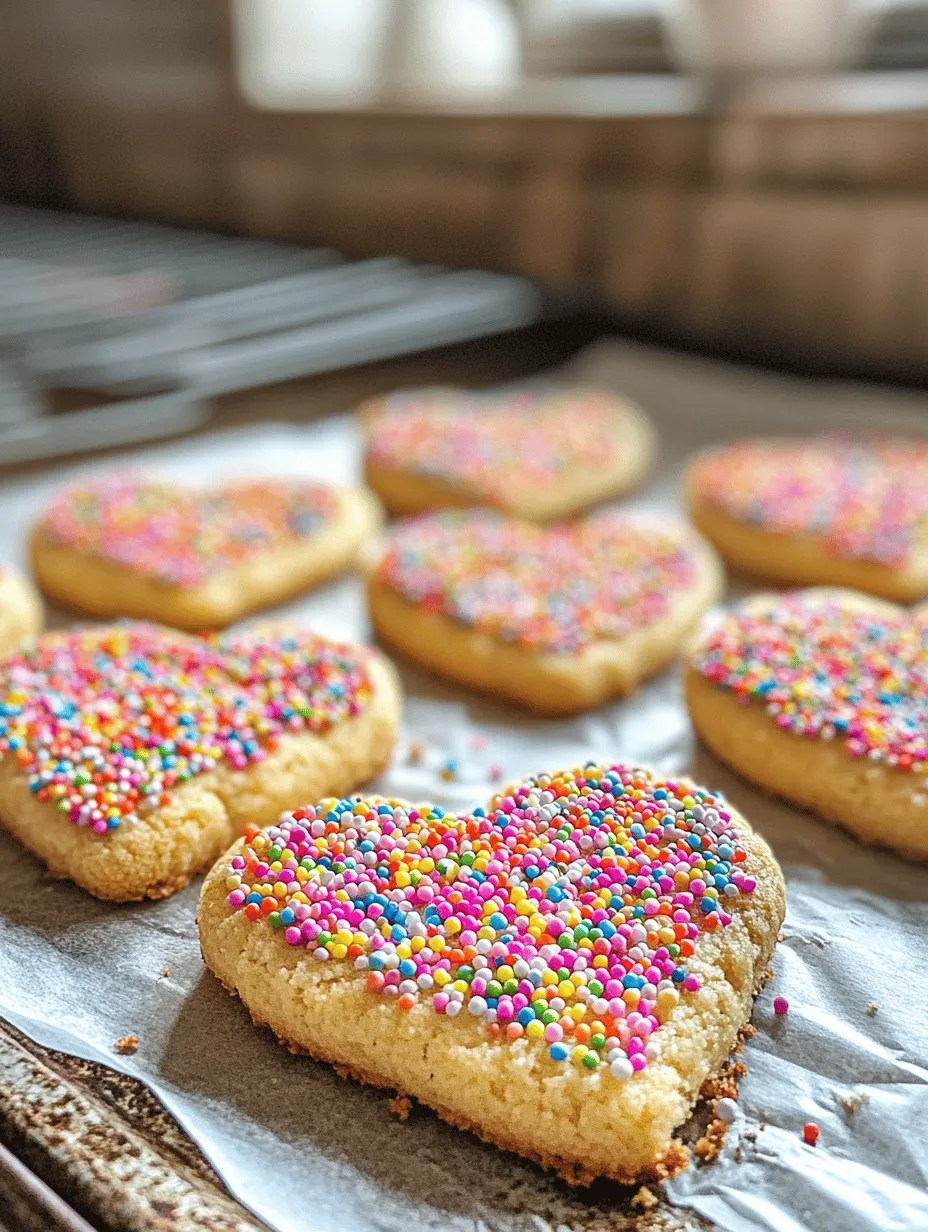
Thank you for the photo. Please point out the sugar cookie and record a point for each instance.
(560, 973)
(132, 755)
(537, 456)
(823, 511)
(20, 610)
(821, 696)
(195, 558)
(558, 619)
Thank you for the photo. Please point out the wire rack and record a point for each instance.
(166, 319)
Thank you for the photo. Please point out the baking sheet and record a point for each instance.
(307, 1151)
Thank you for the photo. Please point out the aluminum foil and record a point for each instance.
(307, 1151)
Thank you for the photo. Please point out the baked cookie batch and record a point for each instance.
(563, 969)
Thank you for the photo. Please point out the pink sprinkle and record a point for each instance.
(780, 1005)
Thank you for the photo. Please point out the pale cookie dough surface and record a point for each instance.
(100, 587)
(880, 803)
(159, 852)
(20, 610)
(817, 513)
(510, 1092)
(555, 458)
(552, 682)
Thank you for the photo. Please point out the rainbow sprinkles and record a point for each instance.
(556, 589)
(182, 536)
(482, 443)
(826, 672)
(566, 913)
(867, 499)
(106, 723)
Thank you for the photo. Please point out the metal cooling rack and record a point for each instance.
(167, 319)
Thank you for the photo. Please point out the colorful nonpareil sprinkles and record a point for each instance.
(866, 499)
(824, 671)
(107, 721)
(565, 914)
(183, 536)
(488, 444)
(559, 588)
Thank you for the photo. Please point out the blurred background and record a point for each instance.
(745, 178)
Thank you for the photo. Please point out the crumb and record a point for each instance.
(739, 1155)
(676, 1159)
(165, 971)
(748, 1031)
(400, 1106)
(709, 1147)
(762, 1126)
(645, 1199)
(127, 1045)
(724, 1084)
(873, 1008)
(416, 752)
(853, 1102)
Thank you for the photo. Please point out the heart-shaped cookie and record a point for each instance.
(537, 456)
(122, 545)
(560, 972)
(20, 610)
(132, 755)
(827, 511)
(821, 696)
(559, 619)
